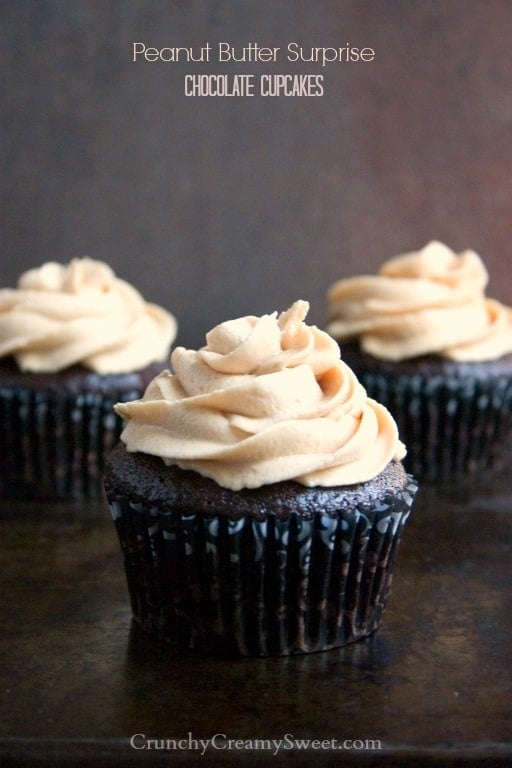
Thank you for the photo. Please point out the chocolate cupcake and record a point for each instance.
(426, 342)
(258, 494)
(74, 340)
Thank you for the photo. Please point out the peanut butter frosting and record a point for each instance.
(266, 399)
(430, 301)
(81, 313)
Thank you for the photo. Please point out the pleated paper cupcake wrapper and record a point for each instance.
(453, 429)
(260, 588)
(52, 444)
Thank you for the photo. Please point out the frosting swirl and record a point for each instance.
(427, 302)
(267, 399)
(62, 315)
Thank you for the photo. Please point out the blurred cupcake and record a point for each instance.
(425, 340)
(258, 494)
(74, 340)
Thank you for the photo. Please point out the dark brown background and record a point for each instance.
(218, 207)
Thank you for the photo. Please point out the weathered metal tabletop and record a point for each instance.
(80, 686)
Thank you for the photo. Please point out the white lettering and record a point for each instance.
(291, 85)
(135, 740)
(188, 54)
(249, 53)
(323, 56)
(215, 744)
(221, 742)
(219, 85)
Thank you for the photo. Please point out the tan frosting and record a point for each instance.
(61, 315)
(267, 399)
(427, 302)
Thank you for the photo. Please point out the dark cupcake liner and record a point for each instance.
(454, 428)
(260, 588)
(52, 443)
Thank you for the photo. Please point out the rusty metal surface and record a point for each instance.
(431, 687)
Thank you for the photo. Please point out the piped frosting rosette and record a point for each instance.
(62, 315)
(267, 399)
(427, 302)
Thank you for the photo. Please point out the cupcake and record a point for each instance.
(258, 494)
(425, 341)
(74, 340)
